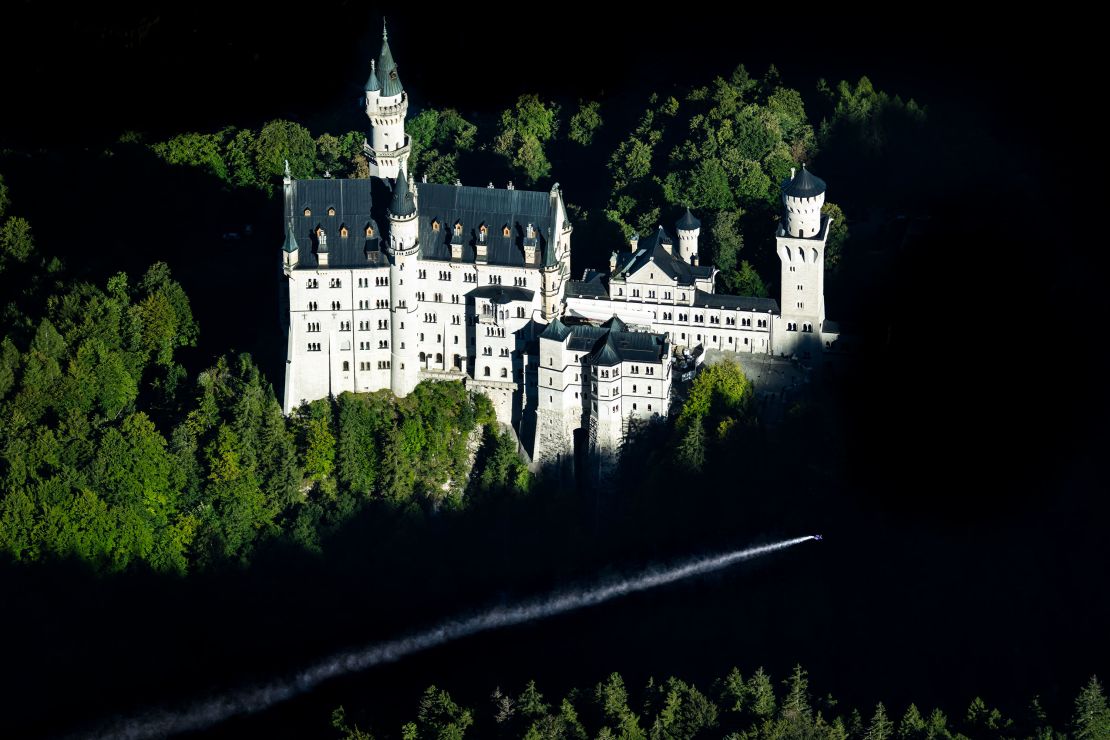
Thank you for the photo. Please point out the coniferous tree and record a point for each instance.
(1091, 719)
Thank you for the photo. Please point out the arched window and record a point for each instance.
(308, 211)
(458, 228)
(505, 230)
(343, 231)
(346, 366)
(435, 224)
(369, 230)
(485, 371)
(439, 357)
(504, 373)
(422, 357)
(483, 229)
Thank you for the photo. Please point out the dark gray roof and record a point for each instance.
(606, 346)
(372, 82)
(616, 323)
(688, 222)
(352, 201)
(290, 244)
(556, 330)
(737, 302)
(803, 185)
(402, 203)
(650, 249)
(474, 207)
(503, 294)
(587, 289)
(391, 82)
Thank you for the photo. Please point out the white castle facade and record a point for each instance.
(472, 284)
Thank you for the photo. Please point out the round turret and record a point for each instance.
(802, 197)
(688, 229)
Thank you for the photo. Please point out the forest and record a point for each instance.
(147, 468)
(732, 707)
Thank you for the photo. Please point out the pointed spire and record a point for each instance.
(290, 240)
(387, 68)
(403, 203)
(372, 84)
(688, 222)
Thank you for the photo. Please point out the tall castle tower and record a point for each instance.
(404, 242)
(386, 106)
(800, 240)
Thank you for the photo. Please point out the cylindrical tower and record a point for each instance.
(802, 198)
(386, 107)
(403, 246)
(688, 229)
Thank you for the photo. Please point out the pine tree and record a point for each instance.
(881, 727)
(762, 694)
(795, 706)
(1091, 720)
(912, 725)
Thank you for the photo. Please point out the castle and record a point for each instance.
(473, 284)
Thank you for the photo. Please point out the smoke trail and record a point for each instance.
(162, 722)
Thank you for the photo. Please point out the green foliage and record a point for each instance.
(838, 235)
(195, 150)
(16, 243)
(499, 470)
(612, 699)
(440, 718)
(5, 199)
(866, 115)
(281, 140)
(438, 138)
(881, 727)
(746, 281)
(522, 133)
(585, 122)
(1091, 720)
(912, 725)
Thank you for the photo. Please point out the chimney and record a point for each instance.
(612, 262)
(634, 242)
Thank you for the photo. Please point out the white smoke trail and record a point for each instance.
(163, 722)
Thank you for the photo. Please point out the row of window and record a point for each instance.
(794, 327)
(651, 294)
(483, 230)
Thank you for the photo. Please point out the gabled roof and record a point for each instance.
(477, 206)
(688, 222)
(803, 185)
(650, 249)
(352, 202)
(556, 330)
(616, 323)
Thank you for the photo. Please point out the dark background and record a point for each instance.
(965, 538)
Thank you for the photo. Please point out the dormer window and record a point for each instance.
(531, 232)
(505, 230)
(458, 228)
(343, 231)
(435, 224)
(308, 211)
(369, 230)
(331, 210)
